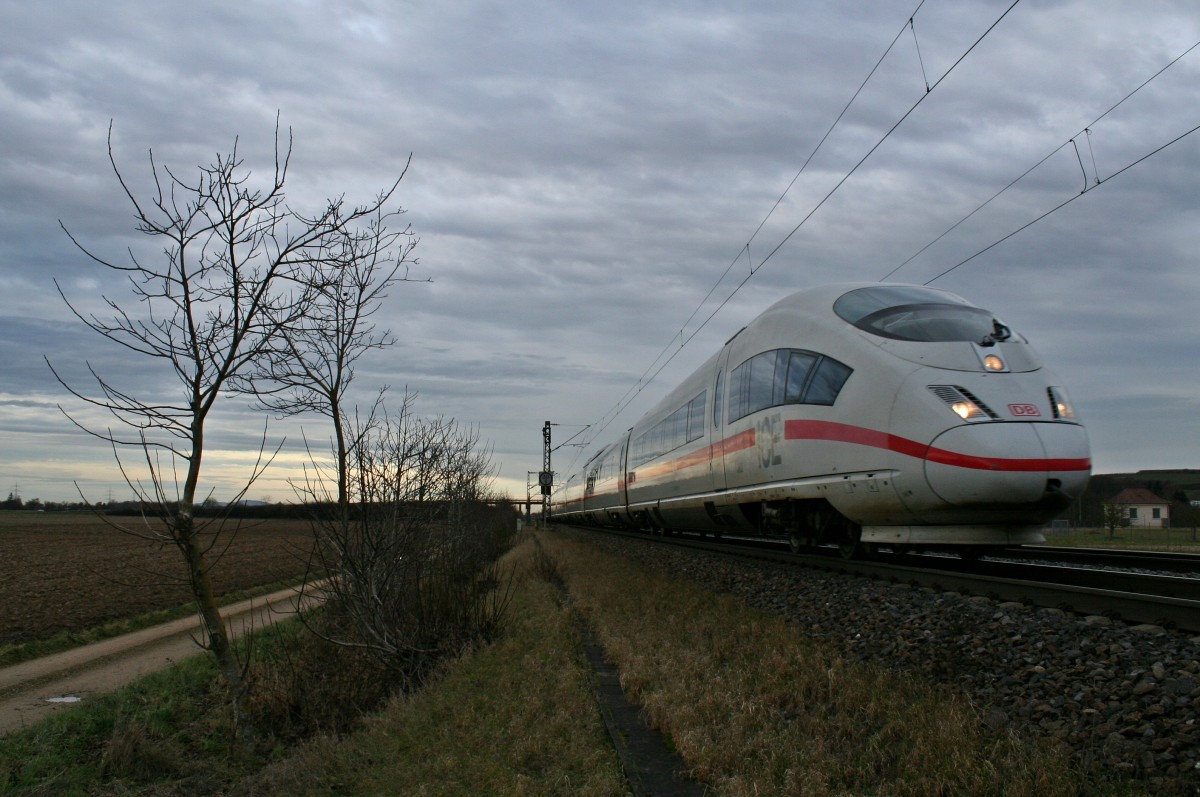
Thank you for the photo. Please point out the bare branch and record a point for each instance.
(238, 266)
(310, 366)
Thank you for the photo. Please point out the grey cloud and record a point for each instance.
(582, 175)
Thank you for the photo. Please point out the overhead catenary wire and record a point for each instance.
(886, 135)
(647, 376)
(1064, 203)
(803, 167)
(669, 351)
(1096, 180)
(1070, 141)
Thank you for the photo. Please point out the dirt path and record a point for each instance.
(32, 690)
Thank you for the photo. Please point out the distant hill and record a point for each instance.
(1179, 486)
(1179, 478)
(1165, 474)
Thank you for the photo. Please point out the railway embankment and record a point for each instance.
(764, 679)
(1112, 697)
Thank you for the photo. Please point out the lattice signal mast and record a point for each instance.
(546, 477)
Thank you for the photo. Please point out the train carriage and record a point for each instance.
(879, 414)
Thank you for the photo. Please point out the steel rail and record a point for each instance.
(1167, 561)
(1134, 598)
(1052, 572)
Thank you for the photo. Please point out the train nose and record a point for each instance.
(1046, 464)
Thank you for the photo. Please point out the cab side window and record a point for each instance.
(784, 376)
(800, 366)
(827, 382)
(762, 382)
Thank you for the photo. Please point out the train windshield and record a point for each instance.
(919, 314)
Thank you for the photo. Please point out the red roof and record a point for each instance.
(1137, 495)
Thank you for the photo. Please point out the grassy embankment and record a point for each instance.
(750, 704)
(1169, 540)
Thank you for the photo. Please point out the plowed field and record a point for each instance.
(72, 571)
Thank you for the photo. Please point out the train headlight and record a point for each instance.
(962, 403)
(990, 358)
(967, 410)
(1060, 404)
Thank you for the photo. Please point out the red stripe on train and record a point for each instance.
(845, 433)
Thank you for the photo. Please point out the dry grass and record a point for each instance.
(1185, 540)
(753, 707)
(514, 718)
(756, 709)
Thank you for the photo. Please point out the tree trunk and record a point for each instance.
(339, 432)
(187, 540)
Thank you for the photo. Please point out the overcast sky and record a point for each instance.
(582, 175)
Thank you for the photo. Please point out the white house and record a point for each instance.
(1143, 509)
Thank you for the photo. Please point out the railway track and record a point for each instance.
(1102, 557)
(1065, 579)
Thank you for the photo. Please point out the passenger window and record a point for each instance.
(695, 421)
(682, 426)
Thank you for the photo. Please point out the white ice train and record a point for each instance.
(861, 415)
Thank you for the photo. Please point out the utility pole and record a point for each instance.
(529, 480)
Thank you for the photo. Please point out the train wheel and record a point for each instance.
(850, 546)
(795, 543)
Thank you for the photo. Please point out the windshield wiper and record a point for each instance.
(999, 334)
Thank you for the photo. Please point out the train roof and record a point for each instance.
(822, 297)
(816, 301)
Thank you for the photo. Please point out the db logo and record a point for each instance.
(1024, 410)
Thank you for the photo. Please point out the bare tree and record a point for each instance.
(310, 366)
(411, 567)
(237, 266)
